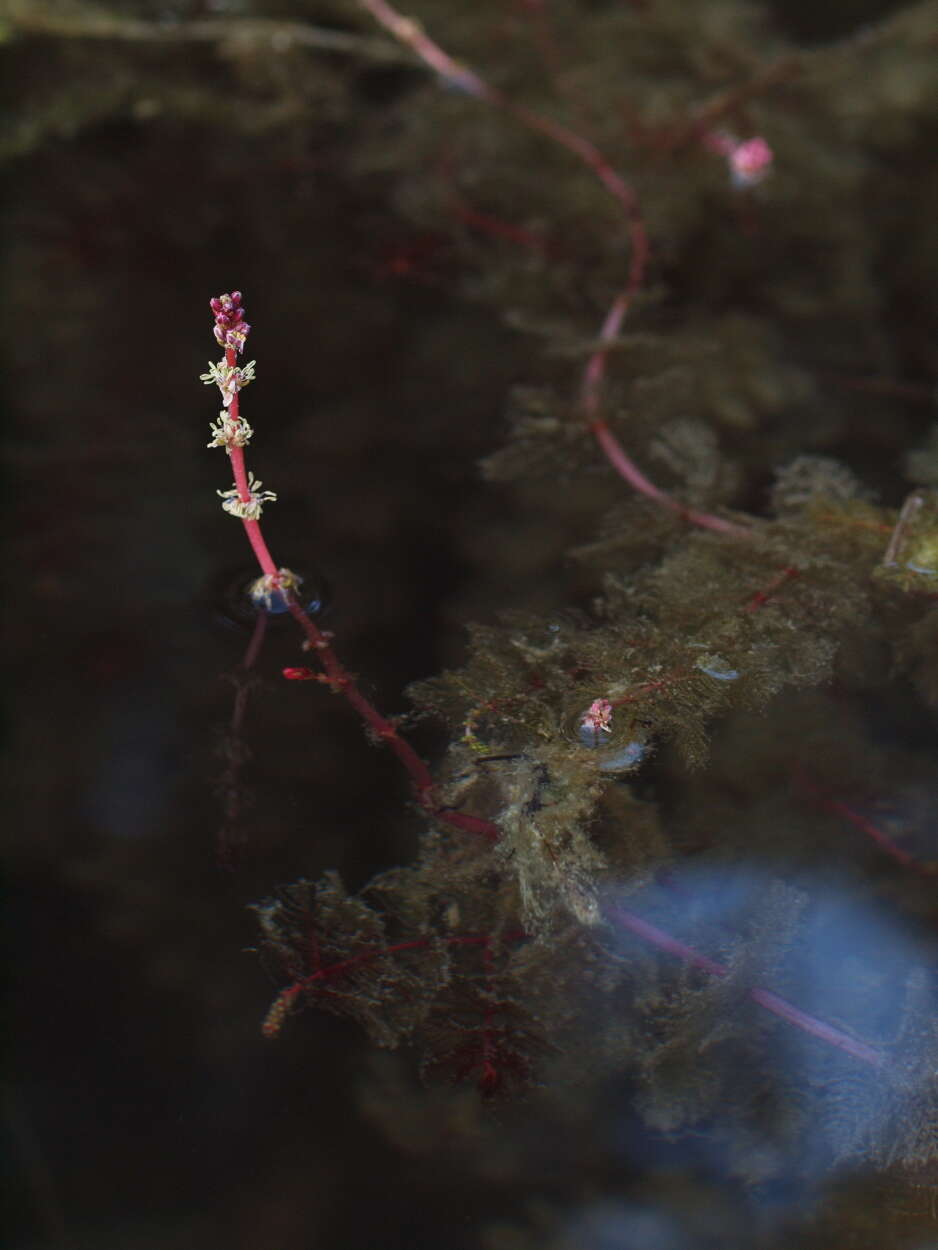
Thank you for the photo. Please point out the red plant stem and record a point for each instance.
(335, 675)
(648, 687)
(487, 224)
(885, 843)
(286, 998)
(470, 824)
(282, 1004)
(341, 682)
(756, 601)
(624, 919)
(707, 115)
(251, 528)
(882, 840)
(590, 390)
(763, 596)
(836, 807)
(779, 1006)
(411, 33)
(627, 469)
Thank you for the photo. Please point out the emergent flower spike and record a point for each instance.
(247, 509)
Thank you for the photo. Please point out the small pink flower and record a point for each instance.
(749, 162)
(596, 720)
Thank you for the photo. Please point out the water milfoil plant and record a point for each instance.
(658, 848)
(539, 862)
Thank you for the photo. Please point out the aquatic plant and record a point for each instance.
(637, 847)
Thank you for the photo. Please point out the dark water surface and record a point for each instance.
(143, 1106)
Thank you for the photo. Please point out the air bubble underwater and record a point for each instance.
(716, 667)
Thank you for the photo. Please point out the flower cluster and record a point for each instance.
(249, 509)
(266, 588)
(228, 432)
(228, 378)
(596, 720)
(231, 329)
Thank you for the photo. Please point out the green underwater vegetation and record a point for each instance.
(678, 875)
(680, 853)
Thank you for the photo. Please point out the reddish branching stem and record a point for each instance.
(286, 999)
(341, 682)
(458, 75)
(762, 597)
(231, 332)
(323, 974)
(879, 836)
(756, 601)
(837, 807)
(336, 676)
(729, 102)
(651, 934)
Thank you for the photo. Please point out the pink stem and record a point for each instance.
(287, 997)
(884, 842)
(335, 675)
(251, 528)
(629, 470)
(341, 682)
(765, 998)
(412, 34)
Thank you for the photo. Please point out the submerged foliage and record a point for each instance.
(526, 937)
(701, 859)
(672, 898)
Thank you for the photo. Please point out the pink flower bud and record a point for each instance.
(299, 674)
(231, 329)
(750, 161)
(596, 720)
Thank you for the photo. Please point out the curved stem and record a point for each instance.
(458, 75)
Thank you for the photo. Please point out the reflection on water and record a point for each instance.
(785, 1117)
